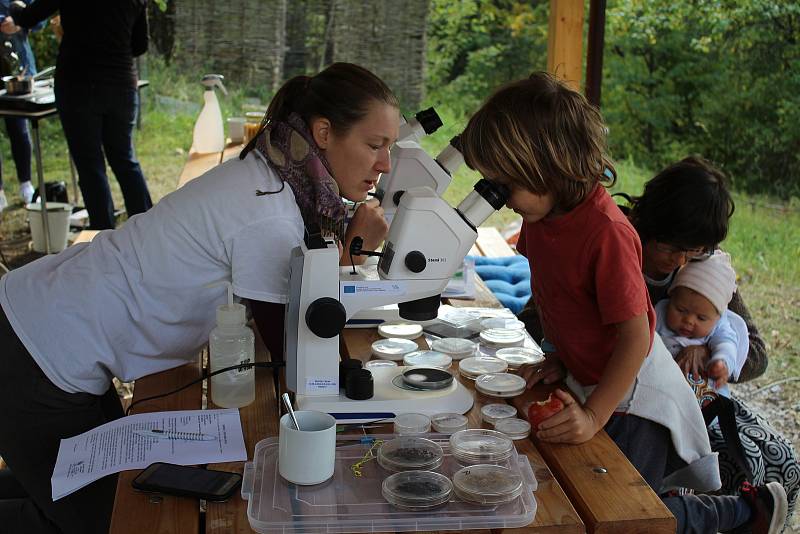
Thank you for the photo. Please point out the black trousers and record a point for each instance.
(34, 416)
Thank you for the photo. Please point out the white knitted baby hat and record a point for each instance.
(714, 278)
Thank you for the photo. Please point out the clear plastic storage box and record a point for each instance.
(346, 503)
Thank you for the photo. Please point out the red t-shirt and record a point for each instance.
(586, 275)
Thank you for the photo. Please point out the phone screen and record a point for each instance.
(185, 480)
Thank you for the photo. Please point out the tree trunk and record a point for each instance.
(162, 29)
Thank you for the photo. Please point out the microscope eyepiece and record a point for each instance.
(429, 120)
(494, 193)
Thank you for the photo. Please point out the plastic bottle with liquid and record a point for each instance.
(232, 343)
(209, 132)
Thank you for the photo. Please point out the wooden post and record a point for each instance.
(565, 41)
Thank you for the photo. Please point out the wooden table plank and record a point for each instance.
(555, 513)
(259, 421)
(492, 244)
(136, 512)
(198, 164)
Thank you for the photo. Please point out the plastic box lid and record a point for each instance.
(349, 504)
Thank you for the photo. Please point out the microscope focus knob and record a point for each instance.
(396, 197)
(325, 317)
(416, 261)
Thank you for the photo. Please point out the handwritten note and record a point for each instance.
(132, 443)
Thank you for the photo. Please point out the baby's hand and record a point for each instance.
(719, 372)
(692, 359)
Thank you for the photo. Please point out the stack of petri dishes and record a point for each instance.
(476, 366)
(510, 323)
(410, 453)
(393, 348)
(487, 484)
(455, 347)
(480, 446)
(448, 423)
(427, 358)
(412, 423)
(501, 338)
(514, 428)
(516, 357)
(492, 413)
(400, 329)
(417, 490)
(501, 385)
(372, 364)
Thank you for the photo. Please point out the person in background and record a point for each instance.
(547, 144)
(17, 127)
(696, 313)
(96, 96)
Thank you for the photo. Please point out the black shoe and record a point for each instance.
(769, 507)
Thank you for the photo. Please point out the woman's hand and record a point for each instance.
(574, 424)
(369, 223)
(552, 370)
(719, 372)
(692, 359)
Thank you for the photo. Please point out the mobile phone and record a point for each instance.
(187, 481)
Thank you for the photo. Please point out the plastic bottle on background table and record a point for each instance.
(232, 343)
(209, 131)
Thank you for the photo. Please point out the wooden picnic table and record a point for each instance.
(572, 496)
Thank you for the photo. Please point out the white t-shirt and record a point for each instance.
(133, 302)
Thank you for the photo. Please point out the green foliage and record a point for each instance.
(476, 45)
(45, 47)
(717, 78)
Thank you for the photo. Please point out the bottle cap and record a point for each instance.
(358, 385)
(231, 313)
(345, 366)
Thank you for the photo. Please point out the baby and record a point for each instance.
(697, 314)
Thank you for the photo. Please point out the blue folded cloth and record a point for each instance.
(509, 278)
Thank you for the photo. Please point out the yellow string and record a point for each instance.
(369, 455)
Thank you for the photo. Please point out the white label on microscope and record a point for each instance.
(373, 287)
(317, 383)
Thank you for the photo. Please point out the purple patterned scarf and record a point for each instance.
(294, 155)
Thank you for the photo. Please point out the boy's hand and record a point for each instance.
(719, 372)
(552, 370)
(574, 424)
(692, 359)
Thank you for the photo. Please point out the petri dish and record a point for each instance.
(417, 490)
(480, 446)
(500, 338)
(514, 428)
(410, 453)
(476, 366)
(492, 413)
(427, 358)
(487, 484)
(448, 423)
(412, 423)
(393, 348)
(372, 364)
(400, 330)
(509, 323)
(501, 385)
(425, 379)
(516, 357)
(456, 348)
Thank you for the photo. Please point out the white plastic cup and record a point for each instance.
(57, 223)
(236, 129)
(307, 456)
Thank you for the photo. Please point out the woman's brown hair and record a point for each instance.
(342, 93)
(540, 134)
